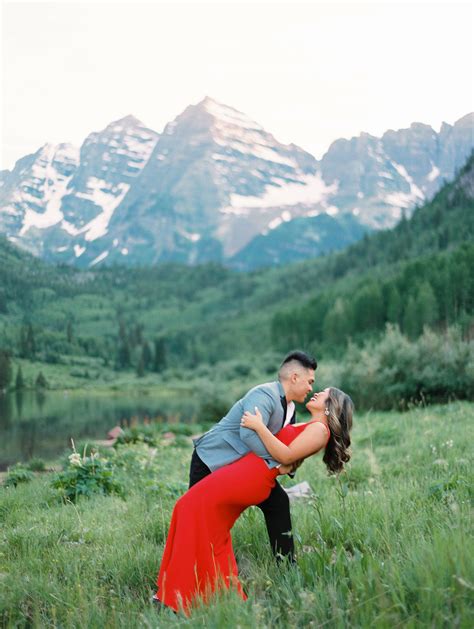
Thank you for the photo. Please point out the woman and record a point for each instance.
(198, 558)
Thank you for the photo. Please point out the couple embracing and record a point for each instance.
(235, 465)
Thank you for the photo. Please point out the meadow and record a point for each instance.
(387, 544)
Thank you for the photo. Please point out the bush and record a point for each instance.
(85, 476)
(139, 434)
(396, 372)
(213, 409)
(18, 474)
(36, 465)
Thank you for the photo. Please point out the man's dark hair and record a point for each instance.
(306, 360)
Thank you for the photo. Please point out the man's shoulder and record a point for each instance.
(266, 388)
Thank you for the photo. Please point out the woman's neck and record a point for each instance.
(319, 416)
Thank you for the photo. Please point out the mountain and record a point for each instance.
(298, 239)
(215, 186)
(417, 273)
(58, 200)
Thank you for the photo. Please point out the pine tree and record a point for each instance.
(427, 306)
(140, 367)
(368, 308)
(123, 351)
(159, 362)
(394, 305)
(5, 369)
(19, 381)
(30, 341)
(146, 355)
(411, 321)
(41, 382)
(335, 326)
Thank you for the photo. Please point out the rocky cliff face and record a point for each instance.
(216, 186)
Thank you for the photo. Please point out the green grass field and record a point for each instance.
(388, 544)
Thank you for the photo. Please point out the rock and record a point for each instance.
(115, 432)
(301, 490)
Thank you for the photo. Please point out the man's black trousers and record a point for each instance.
(276, 509)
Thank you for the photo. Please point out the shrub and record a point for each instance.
(87, 475)
(139, 434)
(18, 474)
(36, 465)
(396, 372)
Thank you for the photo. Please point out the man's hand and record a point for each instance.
(284, 469)
(252, 421)
(294, 466)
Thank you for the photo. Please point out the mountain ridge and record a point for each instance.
(213, 182)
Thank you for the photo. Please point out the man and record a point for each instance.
(227, 441)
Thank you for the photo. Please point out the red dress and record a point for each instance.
(198, 557)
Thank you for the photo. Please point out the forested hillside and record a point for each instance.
(417, 274)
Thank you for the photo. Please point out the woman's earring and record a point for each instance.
(326, 412)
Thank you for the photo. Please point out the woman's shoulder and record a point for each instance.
(318, 426)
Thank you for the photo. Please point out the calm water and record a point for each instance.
(41, 424)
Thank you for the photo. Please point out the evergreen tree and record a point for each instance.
(124, 355)
(123, 351)
(427, 306)
(146, 355)
(159, 361)
(411, 321)
(394, 305)
(140, 367)
(23, 348)
(30, 341)
(41, 382)
(335, 326)
(368, 309)
(27, 344)
(5, 369)
(19, 381)
(69, 331)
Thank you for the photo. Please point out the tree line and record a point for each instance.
(434, 291)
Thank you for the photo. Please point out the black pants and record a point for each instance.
(276, 509)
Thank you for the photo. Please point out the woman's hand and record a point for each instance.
(285, 469)
(252, 421)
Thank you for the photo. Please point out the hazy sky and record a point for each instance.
(309, 73)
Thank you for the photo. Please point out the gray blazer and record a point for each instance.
(227, 441)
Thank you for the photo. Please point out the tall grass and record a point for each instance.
(388, 544)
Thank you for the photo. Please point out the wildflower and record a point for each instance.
(75, 459)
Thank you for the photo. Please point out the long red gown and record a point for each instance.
(198, 558)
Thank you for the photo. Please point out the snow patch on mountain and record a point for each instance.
(310, 189)
(229, 115)
(233, 129)
(404, 199)
(99, 258)
(48, 182)
(435, 171)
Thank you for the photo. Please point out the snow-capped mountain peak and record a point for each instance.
(215, 185)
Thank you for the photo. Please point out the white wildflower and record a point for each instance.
(75, 459)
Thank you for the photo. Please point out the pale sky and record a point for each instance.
(308, 72)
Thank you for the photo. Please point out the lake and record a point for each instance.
(42, 423)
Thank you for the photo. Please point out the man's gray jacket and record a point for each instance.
(227, 441)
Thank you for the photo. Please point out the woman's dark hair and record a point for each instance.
(337, 452)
